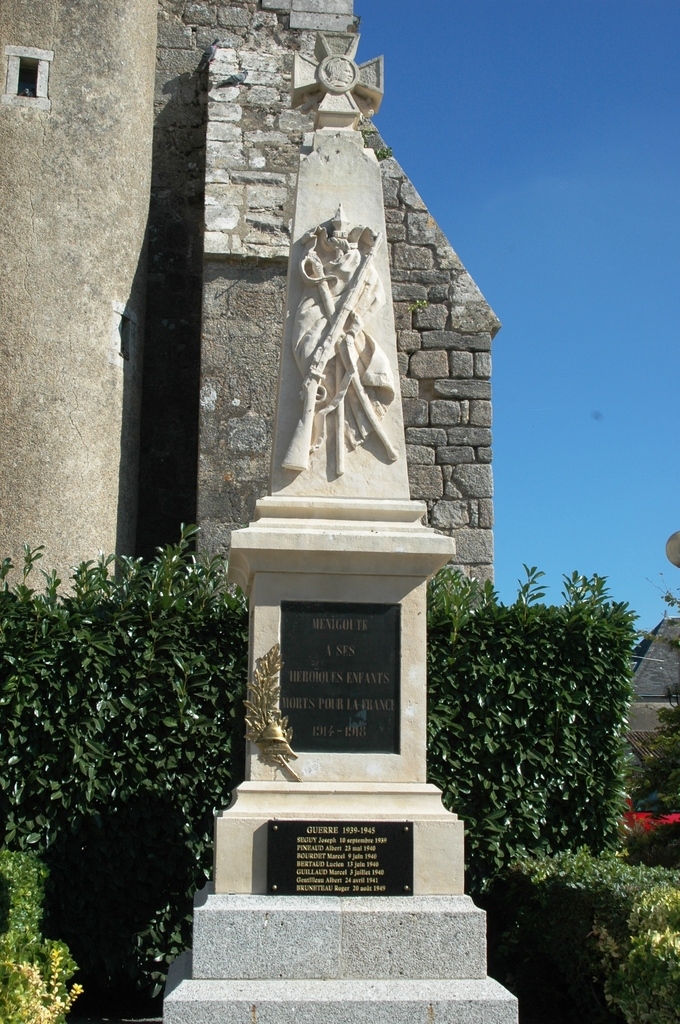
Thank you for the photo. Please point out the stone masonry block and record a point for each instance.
(402, 362)
(428, 365)
(480, 414)
(461, 364)
(456, 340)
(223, 131)
(276, 5)
(443, 414)
(419, 455)
(402, 316)
(484, 455)
(390, 192)
(474, 547)
(409, 388)
(324, 6)
(482, 364)
(396, 233)
(411, 197)
(463, 388)
(174, 35)
(415, 412)
(473, 481)
(450, 515)
(455, 455)
(426, 481)
(412, 257)
(407, 292)
(421, 228)
(425, 435)
(469, 435)
(200, 14)
(321, 22)
(432, 318)
(408, 341)
(485, 513)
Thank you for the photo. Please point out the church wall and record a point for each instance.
(74, 184)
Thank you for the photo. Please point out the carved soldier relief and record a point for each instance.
(346, 377)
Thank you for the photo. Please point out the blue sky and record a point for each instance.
(544, 138)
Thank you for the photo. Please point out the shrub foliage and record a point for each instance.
(588, 938)
(527, 707)
(117, 704)
(33, 972)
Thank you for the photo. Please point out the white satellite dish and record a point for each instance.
(673, 549)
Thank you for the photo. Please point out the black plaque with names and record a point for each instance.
(340, 676)
(340, 858)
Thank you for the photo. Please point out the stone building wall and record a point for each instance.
(74, 184)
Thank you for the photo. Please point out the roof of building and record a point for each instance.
(656, 663)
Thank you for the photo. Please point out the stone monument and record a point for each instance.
(338, 880)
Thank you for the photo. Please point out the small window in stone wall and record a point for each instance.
(27, 81)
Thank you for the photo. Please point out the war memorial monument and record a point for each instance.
(338, 881)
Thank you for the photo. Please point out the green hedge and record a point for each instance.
(527, 710)
(587, 938)
(121, 712)
(117, 705)
(33, 972)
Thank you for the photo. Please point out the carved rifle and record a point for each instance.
(297, 456)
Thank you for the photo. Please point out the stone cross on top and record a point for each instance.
(342, 89)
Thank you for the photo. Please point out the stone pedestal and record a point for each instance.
(330, 960)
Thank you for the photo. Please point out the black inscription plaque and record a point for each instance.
(340, 676)
(340, 858)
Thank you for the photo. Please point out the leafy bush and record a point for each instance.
(645, 984)
(659, 846)
(562, 925)
(660, 773)
(117, 703)
(33, 973)
(527, 710)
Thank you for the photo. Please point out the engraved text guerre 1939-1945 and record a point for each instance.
(340, 858)
(340, 676)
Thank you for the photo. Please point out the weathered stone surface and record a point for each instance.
(454, 455)
(425, 435)
(455, 340)
(426, 481)
(433, 317)
(485, 513)
(482, 364)
(473, 481)
(462, 388)
(412, 257)
(445, 413)
(480, 414)
(428, 365)
(450, 515)
(322, 22)
(463, 364)
(418, 454)
(474, 547)
(415, 412)
(408, 341)
(409, 388)
(469, 435)
(421, 229)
